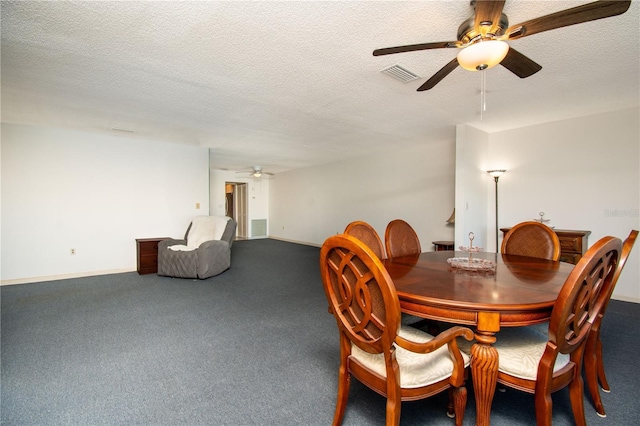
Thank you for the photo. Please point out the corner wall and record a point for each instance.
(472, 204)
(583, 173)
(94, 193)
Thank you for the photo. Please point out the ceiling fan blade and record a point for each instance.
(414, 47)
(520, 64)
(567, 17)
(488, 14)
(435, 79)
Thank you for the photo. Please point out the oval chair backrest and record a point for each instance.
(624, 255)
(401, 239)
(532, 239)
(365, 233)
(360, 292)
(626, 249)
(583, 296)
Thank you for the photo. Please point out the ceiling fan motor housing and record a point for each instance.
(467, 34)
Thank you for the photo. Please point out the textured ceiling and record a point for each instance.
(292, 84)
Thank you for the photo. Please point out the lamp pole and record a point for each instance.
(496, 175)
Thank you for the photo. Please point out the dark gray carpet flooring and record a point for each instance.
(253, 346)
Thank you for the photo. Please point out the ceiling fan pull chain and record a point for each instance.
(483, 93)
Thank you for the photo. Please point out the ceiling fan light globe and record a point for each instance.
(483, 55)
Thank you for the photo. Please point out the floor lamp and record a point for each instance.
(496, 175)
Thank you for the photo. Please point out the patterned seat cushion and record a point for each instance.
(520, 350)
(416, 370)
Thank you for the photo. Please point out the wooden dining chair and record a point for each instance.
(593, 364)
(399, 362)
(544, 363)
(400, 239)
(365, 233)
(533, 239)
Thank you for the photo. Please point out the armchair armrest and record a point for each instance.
(447, 337)
(175, 263)
(214, 257)
(213, 245)
(170, 242)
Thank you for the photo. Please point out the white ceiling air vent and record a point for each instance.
(399, 73)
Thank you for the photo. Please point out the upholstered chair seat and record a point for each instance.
(520, 350)
(416, 369)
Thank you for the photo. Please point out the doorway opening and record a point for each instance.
(236, 206)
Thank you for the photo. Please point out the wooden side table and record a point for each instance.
(442, 245)
(573, 244)
(147, 254)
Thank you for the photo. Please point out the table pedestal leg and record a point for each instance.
(484, 372)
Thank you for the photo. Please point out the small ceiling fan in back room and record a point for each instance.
(256, 172)
(483, 37)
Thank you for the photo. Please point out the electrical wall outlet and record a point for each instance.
(197, 205)
(73, 251)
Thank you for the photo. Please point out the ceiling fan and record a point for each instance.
(482, 37)
(256, 172)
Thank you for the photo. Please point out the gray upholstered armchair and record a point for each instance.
(204, 252)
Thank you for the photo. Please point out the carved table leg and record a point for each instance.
(484, 367)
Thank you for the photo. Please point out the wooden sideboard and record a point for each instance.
(147, 254)
(442, 245)
(573, 243)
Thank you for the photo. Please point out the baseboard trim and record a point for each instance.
(120, 271)
(625, 299)
(63, 276)
(295, 241)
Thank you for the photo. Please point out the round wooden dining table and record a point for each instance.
(520, 291)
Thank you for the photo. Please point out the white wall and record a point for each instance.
(472, 204)
(96, 193)
(417, 185)
(583, 173)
